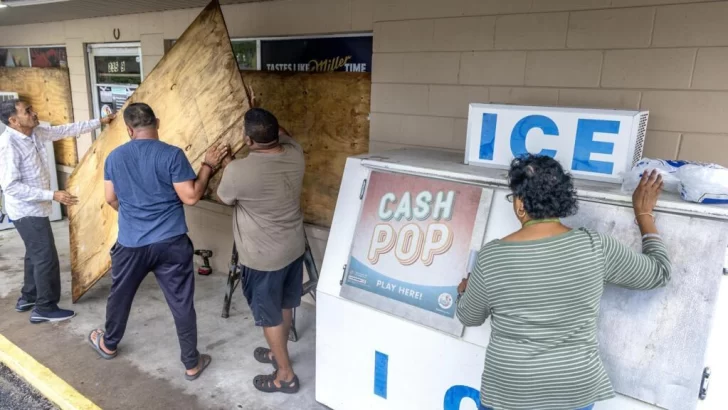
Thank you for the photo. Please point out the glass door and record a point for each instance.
(116, 72)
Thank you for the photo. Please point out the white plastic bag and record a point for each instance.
(668, 170)
(703, 183)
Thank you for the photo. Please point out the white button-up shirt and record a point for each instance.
(24, 169)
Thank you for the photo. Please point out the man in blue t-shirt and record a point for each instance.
(148, 181)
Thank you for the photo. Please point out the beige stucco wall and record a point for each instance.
(433, 57)
(671, 59)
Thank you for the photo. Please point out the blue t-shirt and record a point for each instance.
(143, 172)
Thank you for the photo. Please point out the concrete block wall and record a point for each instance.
(667, 56)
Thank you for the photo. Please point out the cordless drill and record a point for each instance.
(205, 254)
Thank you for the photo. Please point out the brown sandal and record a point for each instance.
(262, 355)
(203, 362)
(266, 384)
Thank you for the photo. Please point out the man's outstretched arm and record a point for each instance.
(190, 191)
(75, 130)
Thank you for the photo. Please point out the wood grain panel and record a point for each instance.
(49, 92)
(328, 114)
(198, 94)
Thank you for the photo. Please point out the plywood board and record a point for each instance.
(328, 114)
(653, 343)
(49, 92)
(199, 97)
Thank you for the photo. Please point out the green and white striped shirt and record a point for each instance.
(544, 297)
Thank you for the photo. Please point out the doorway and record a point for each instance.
(115, 72)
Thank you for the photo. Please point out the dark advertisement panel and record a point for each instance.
(349, 54)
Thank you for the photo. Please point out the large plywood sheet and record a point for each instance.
(49, 92)
(198, 94)
(653, 343)
(328, 114)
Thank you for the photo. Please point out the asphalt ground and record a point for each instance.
(16, 394)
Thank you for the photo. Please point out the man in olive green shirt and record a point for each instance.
(265, 188)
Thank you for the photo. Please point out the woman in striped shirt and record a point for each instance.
(542, 285)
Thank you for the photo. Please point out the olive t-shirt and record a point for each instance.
(266, 191)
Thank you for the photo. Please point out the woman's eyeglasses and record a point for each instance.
(509, 198)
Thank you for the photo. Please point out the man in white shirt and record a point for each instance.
(25, 180)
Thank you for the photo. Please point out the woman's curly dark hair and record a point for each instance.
(543, 186)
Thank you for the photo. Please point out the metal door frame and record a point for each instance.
(102, 50)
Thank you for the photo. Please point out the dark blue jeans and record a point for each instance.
(589, 407)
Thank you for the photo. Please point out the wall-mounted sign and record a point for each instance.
(350, 54)
(112, 98)
(413, 244)
(591, 144)
(123, 69)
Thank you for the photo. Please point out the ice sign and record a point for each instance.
(591, 144)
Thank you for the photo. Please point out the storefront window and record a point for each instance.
(246, 52)
(14, 57)
(48, 57)
(41, 57)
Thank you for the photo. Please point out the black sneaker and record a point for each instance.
(57, 315)
(23, 305)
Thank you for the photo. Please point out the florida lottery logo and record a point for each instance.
(445, 301)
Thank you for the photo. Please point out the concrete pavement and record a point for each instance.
(147, 373)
